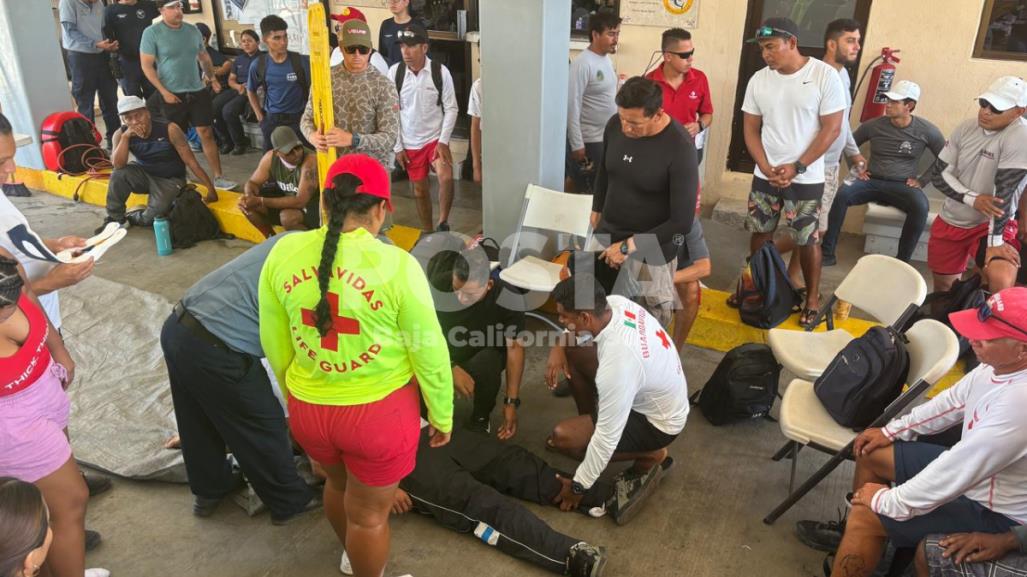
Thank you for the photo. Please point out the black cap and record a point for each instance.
(412, 33)
(204, 29)
(776, 28)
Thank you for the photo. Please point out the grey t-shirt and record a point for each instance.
(975, 156)
(225, 301)
(895, 152)
(590, 99)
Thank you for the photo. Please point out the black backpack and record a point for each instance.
(772, 297)
(436, 79)
(297, 66)
(191, 221)
(964, 295)
(864, 377)
(743, 386)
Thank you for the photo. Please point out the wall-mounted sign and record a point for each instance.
(662, 13)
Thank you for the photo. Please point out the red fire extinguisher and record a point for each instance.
(881, 78)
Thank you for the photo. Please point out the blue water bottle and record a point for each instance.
(162, 233)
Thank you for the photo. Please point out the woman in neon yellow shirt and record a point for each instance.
(349, 327)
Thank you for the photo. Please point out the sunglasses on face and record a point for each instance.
(770, 32)
(683, 55)
(363, 50)
(985, 104)
(985, 312)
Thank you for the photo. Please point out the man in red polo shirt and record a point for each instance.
(686, 92)
(686, 98)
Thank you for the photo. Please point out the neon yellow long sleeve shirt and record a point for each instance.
(384, 326)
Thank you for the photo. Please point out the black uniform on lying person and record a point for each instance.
(466, 486)
(283, 188)
(482, 335)
(223, 396)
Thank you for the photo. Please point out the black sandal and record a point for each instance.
(808, 317)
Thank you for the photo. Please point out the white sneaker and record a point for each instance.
(344, 566)
(96, 572)
(222, 182)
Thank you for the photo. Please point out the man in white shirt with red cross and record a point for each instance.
(427, 115)
(977, 485)
(641, 395)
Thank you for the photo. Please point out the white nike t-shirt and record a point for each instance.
(791, 106)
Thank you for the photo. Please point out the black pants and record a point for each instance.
(464, 484)
(90, 76)
(228, 107)
(133, 82)
(221, 398)
(273, 121)
(486, 368)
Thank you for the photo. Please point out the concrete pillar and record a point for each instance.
(33, 83)
(524, 61)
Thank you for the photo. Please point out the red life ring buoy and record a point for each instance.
(50, 137)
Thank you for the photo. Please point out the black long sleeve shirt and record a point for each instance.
(647, 185)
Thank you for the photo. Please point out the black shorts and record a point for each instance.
(961, 515)
(640, 436)
(311, 213)
(195, 109)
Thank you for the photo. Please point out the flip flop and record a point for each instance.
(95, 246)
(807, 317)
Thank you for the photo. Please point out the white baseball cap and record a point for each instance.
(1006, 92)
(130, 103)
(904, 89)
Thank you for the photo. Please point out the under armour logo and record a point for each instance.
(628, 158)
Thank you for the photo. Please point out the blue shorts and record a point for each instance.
(959, 516)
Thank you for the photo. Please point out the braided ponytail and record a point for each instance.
(10, 282)
(340, 200)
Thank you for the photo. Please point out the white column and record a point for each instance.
(33, 83)
(525, 47)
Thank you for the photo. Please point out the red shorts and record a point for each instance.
(376, 441)
(419, 161)
(951, 247)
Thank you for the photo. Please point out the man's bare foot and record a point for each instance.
(173, 443)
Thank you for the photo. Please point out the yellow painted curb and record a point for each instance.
(94, 191)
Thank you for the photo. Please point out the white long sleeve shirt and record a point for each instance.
(421, 120)
(591, 94)
(639, 370)
(989, 464)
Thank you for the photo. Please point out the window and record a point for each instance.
(1003, 31)
(582, 9)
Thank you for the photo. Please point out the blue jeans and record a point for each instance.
(909, 200)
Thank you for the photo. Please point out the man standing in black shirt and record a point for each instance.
(644, 198)
(482, 336)
(124, 22)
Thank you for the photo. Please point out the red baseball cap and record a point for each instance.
(370, 171)
(1004, 315)
(348, 14)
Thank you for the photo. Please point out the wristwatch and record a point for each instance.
(624, 247)
(356, 140)
(577, 488)
(515, 402)
(800, 168)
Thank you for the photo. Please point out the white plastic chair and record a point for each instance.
(933, 350)
(550, 210)
(880, 285)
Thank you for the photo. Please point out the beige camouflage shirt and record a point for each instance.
(365, 103)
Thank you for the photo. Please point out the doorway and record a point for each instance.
(812, 16)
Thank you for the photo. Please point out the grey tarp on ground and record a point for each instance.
(121, 411)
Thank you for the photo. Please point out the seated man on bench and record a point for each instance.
(628, 385)
(161, 153)
(977, 485)
(283, 189)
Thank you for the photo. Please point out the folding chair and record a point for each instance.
(933, 350)
(880, 285)
(544, 210)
